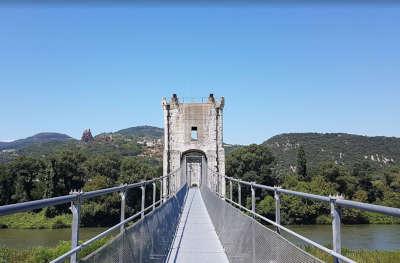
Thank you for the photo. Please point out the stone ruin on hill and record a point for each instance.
(87, 136)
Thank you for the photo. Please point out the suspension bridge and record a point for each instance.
(199, 213)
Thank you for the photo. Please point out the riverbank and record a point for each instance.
(365, 236)
(44, 254)
(30, 220)
(359, 255)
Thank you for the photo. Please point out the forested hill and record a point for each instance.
(43, 137)
(341, 148)
(143, 131)
(133, 141)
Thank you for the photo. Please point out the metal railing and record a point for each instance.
(336, 202)
(168, 187)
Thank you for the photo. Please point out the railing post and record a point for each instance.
(239, 194)
(231, 190)
(253, 199)
(168, 186)
(336, 239)
(162, 190)
(177, 181)
(218, 192)
(123, 204)
(76, 211)
(172, 182)
(277, 198)
(154, 195)
(143, 187)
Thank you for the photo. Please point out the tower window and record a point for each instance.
(194, 133)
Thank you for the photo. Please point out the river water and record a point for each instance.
(24, 238)
(380, 237)
(371, 237)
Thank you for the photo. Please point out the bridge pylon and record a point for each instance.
(193, 141)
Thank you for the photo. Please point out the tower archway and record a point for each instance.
(194, 167)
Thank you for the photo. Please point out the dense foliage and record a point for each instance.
(32, 178)
(358, 255)
(44, 254)
(55, 168)
(340, 148)
(361, 182)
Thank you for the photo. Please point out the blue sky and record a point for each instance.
(281, 69)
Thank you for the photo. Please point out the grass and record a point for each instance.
(375, 218)
(30, 220)
(43, 254)
(358, 255)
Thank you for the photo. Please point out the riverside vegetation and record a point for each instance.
(55, 173)
(44, 254)
(31, 178)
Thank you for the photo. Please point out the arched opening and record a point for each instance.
(194, 167)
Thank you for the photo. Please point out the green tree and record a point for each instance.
(354, 216)
(266, 207)
(343, 182)
(103, 210)
(296, 210)
(363, 173)
(68, 171)
(252, 163)
(6, 185)
(26, 172)
(107, 166)
(301, 168)
(135, 169)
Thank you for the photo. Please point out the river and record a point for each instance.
(380, 237)
(371, 237)
(24, 238)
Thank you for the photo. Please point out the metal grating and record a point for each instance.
(147, 240)
(246, 240)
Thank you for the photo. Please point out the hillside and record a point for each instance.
(143, 131)
(35, 139)
(341, 148)
(134, 141)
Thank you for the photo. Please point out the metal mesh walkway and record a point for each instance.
(197, 226)
(196, 239)
(147, 240)
(246, 240)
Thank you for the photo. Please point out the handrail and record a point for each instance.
(334, 201)
(31, 205)
(392, 211)
(102, 234)
(109, 230)
(41, 203)
(76, 198)
(309, 241)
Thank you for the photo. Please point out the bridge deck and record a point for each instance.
(196, 239)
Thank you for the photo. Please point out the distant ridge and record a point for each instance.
(341, 148)
(145, 130)
(43, 137)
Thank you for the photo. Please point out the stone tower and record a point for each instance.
(193, 136)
